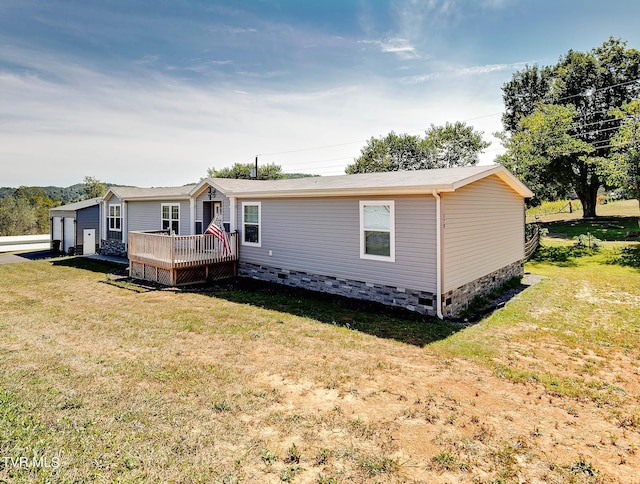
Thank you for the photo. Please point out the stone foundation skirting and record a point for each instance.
(418, 301)
(456, 301)
(113, 247)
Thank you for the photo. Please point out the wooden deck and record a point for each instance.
(175, 260)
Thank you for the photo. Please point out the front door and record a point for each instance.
(217, 210)
(210, 211)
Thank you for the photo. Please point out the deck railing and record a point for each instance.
(165, 251)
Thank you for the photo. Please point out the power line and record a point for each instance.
(587, 133)
(484, 116)
(312, 149)
(364, 140)
(597, 90)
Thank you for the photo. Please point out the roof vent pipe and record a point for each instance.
(254, 170)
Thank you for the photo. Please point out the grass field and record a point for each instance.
(99, 383)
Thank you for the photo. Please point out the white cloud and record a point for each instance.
(401, 47)
(453, 71)
(473, 70)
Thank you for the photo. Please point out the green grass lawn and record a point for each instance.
(101, 383)
(617, 221)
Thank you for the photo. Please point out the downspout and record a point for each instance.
(233, 226)
(62, 234)
(125, 226)
(436, 195)
(192, 214)
(103, 221)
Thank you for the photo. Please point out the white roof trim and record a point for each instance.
(203, 185)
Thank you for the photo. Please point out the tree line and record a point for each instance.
(25, 210)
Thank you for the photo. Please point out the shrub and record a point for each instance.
(587, 241)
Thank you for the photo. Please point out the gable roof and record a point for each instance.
(155, 193)
(384, 183)
(70, 207)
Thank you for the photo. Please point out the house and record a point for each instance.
(428, 241)
(128, 209)
(74, 227)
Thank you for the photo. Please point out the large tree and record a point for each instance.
(591, 83)
(455, 144)
(393, 152)
(542, 153)
(93, 188)
(442, 147)
(526, 90)
(269, 171)
(624, 169)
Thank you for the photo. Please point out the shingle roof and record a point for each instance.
(419, 181)
(77, 205)
(167, 193)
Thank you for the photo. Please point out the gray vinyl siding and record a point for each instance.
(87, 218)
(483, 231)
(113, 235)
(204, 197)
(148, 216)
(322, 236)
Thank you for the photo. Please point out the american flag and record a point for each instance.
(219, 233)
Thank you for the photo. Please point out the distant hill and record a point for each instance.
(74, 193)
(62, 194)
(4, 191)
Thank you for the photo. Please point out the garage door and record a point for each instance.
(69, 233)
(56, 233)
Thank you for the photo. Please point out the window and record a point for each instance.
(115, 218)
(171, 217)
(377, 230)
(251, 223)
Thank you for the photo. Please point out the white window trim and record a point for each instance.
(252, 244)
(162, 219)
(110, 217)
(392, 231)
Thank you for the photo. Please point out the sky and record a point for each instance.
(153, 93)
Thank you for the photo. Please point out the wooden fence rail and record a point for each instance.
(532, 240)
